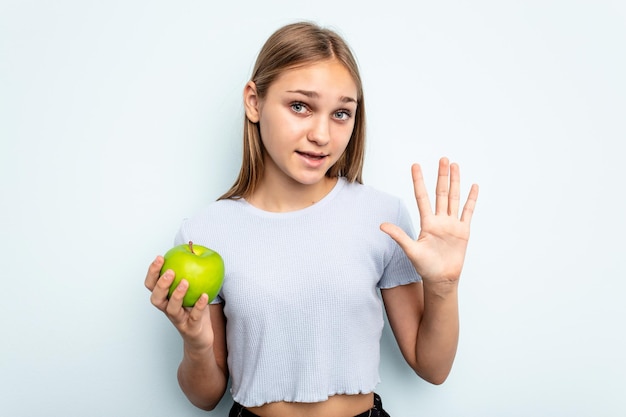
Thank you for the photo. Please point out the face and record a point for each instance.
(306, 120)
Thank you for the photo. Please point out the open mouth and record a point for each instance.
(313, 156)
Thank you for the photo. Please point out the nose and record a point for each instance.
(319, 131)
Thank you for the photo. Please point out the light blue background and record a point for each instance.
(120, 118)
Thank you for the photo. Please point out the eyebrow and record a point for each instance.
(313, 94)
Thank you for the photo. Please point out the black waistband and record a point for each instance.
(237, 410)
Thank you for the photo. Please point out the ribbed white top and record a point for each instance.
(304, 316)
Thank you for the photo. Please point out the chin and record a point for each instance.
(310, 179)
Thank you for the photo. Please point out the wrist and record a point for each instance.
(441, 289)
(197, 351)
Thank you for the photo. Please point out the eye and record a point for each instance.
(299, 107)
(342, 115)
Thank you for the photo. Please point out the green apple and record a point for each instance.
(202, 267)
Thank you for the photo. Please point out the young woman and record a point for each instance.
(297, 324)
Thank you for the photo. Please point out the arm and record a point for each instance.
(424, 316)
(426, 326)
(203, 373)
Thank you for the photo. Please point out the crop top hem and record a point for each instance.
(301, 399)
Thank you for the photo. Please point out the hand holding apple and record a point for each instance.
(200, 266)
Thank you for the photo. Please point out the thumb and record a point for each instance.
(397, 234)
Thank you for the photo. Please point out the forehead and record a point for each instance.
(329, 76)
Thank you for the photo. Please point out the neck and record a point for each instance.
(288, 195)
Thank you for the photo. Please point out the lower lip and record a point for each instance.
(312, 162)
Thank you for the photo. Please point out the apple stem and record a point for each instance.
(191, 247)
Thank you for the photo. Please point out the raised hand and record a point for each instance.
(438, 253)
(194, 324)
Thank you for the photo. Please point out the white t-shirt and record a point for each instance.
(301, 300)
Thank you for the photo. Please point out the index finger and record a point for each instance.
(421, 194)
(154, 271)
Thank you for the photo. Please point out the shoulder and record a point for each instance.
(210, 212)
(368, 204)
(215, 218)
(372, 198)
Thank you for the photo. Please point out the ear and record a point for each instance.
(251, 102)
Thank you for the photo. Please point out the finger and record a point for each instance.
(198, 310)
(454, 197)
(441, 190)
(175, 309)
(419, 189)
(397, 234)
(154, 270)
(160, 291)
(470, 204)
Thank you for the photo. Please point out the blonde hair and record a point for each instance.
(295, 45)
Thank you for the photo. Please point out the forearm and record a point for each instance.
(201, 378)
(438, 334)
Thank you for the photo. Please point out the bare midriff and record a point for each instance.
(335, 406)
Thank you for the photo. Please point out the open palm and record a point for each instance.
(439, 251)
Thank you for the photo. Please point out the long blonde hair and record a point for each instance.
(294, 45)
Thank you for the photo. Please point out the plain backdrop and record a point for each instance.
(120, 118)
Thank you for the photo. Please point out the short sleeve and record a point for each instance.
(181, 237)
(399, 270)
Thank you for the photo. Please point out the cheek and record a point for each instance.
(342, 135)
(270, 136)
(275, 128)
